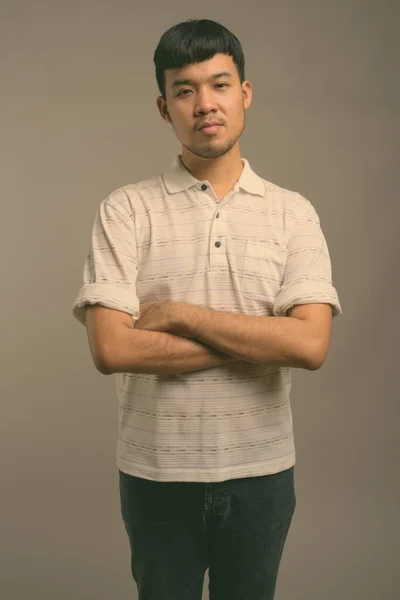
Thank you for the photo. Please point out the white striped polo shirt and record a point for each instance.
(259, 251)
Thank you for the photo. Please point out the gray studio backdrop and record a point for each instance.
(79, 119)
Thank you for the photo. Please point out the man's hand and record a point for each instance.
(155, 316)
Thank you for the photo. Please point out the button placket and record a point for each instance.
(217, 244)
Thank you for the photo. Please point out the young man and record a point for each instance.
(203, 287)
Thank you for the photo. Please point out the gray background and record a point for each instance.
(79, 119)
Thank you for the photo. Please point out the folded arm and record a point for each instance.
(117, 346)
(162, 353)
(159, 344)
(300, 340)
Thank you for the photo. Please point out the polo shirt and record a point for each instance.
(258, 252)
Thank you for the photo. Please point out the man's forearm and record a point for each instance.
(139, 351)
(282, 341)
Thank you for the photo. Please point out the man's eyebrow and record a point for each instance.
(178, 82)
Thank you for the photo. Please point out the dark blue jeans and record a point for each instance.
(236, 528)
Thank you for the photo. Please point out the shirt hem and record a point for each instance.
(205, 476)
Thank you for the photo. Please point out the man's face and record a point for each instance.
(194, 96)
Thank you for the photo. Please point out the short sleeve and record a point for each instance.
(308, 273)
(110, 268)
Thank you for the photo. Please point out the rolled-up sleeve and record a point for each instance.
(110, 268)
(308, 274)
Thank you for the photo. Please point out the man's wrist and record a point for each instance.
(176, 317)
(184, 317)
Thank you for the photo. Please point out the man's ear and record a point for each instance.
(162, 107)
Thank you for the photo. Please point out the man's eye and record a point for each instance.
(181, 93)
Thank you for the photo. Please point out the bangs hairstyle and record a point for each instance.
(194, 41)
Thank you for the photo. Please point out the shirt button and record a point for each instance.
(217, 216)
(217, 244)
(204, 187)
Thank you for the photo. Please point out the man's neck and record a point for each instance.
(220, 172)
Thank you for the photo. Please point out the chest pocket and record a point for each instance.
(263, 269)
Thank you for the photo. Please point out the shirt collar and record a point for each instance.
(177, 178)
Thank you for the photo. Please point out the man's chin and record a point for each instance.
(210, 151)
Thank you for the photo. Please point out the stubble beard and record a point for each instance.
(211, 150)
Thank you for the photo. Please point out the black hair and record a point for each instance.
(193, 41)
